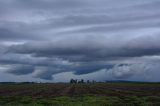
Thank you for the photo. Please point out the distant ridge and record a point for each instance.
(107, 81)
(127, 81)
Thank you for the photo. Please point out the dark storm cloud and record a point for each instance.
(85, 56)
(46, 73)
(17, 31)
(50, 66)
(85, 68)
(47, 37)
(9, 35)
(137, 47)
(20, 69)
(93, 67)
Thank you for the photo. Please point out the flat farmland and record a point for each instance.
(64, 94)
(101, 89)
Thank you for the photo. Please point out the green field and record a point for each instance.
(98, 94)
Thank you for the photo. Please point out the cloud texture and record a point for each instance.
(43, 38)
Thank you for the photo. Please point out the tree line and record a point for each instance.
(75, 81)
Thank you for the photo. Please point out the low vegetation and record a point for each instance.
(80, 94)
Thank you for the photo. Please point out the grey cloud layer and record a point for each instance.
(46, 37)
(91, 48)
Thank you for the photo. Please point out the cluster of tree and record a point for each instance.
(75, 81)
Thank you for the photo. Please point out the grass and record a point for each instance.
(98, 94)
(86, 100)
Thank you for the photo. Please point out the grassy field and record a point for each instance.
(98, 94)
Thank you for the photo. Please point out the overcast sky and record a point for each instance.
(56, 40)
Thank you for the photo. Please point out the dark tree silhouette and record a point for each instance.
(72, 81)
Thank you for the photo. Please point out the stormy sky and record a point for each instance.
(56, 40)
